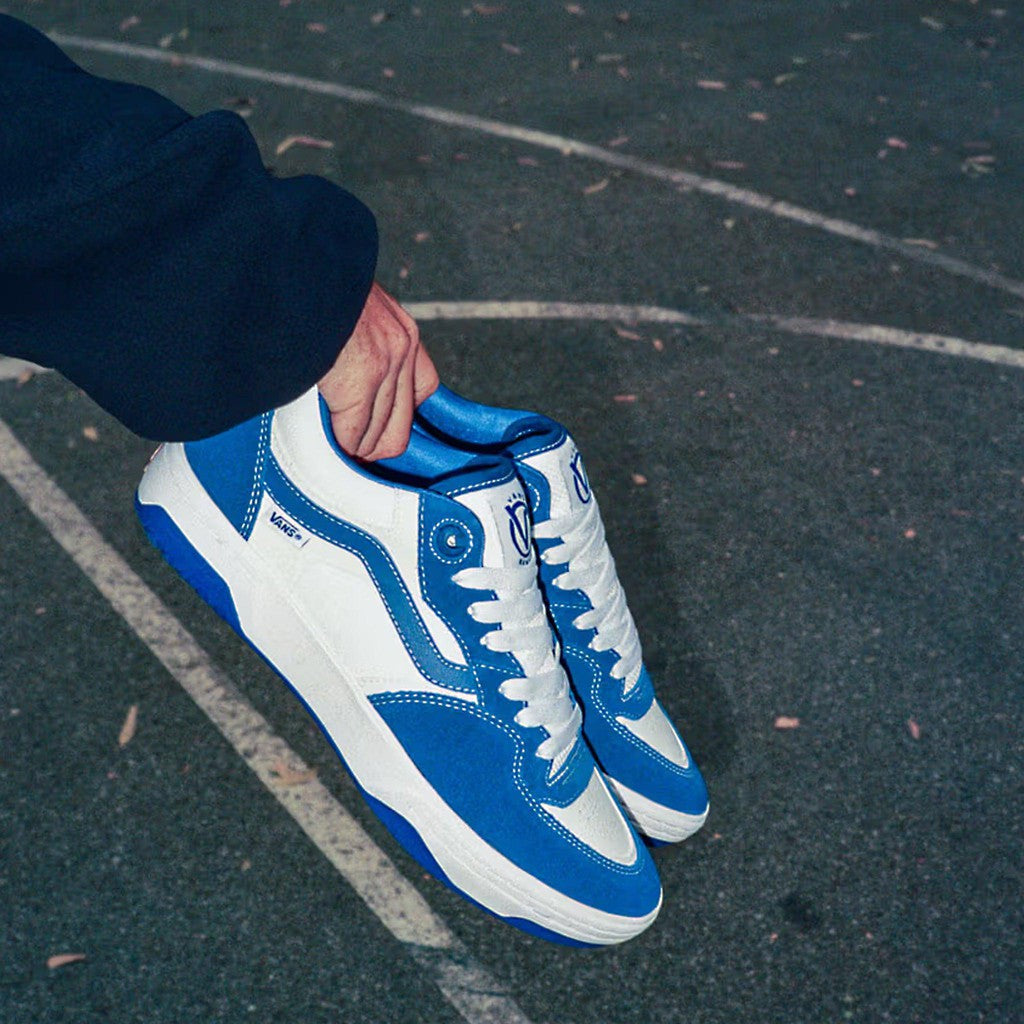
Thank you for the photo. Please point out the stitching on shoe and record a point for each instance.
(617, 727)
(549, 820)
(469, 488)
(549, 447)
(261, 452)
(431, 603)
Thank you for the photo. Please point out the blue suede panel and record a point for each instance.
(408, 837)
(453, 743)
(621, 754)
(230, 465)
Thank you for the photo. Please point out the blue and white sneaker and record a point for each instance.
(642, 755)
(400, 602)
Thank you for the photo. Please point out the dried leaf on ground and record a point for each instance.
(316, 26)
(625, 398)
(711, 83)
(287, 776)
(786, 722)
(90, 433)
(129, 22)
(914, 729)
(598, 186)
(302, 140)
(131, 722)
(63, 959)
(628, 335)
(638, 478)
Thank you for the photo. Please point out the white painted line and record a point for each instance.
(525, 310)
(878, 335)
(874, 333)
(12, 369)
(478, 997)
(686, 180)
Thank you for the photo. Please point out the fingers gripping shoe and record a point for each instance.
(405, 613)
(640, 751)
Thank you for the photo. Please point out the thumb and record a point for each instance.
(425, 378)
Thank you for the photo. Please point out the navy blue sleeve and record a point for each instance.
(151, 258)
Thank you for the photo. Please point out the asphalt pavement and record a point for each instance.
(818, 521)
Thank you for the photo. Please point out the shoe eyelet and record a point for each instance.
(451, 541)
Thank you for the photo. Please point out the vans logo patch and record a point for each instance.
(285, 526)
(519, 525)
(579, 477)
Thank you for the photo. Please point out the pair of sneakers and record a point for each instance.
(430, 612)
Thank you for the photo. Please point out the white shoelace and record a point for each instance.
(591, 568)
(518, 609)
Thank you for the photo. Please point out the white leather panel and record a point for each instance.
(595, 819)
(656, 731)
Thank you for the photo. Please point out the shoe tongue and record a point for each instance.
(490, 489)
(558, 460)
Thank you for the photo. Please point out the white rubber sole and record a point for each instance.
(655, 820)
(370, 750)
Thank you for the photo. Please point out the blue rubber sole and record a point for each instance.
(211, 587)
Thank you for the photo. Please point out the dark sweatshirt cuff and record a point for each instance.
(174, 279)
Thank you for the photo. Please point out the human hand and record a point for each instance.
(378, 379)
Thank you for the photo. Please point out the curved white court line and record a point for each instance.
(567, 147)
(876, 334)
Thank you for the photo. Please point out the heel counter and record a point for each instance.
(230, 468)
